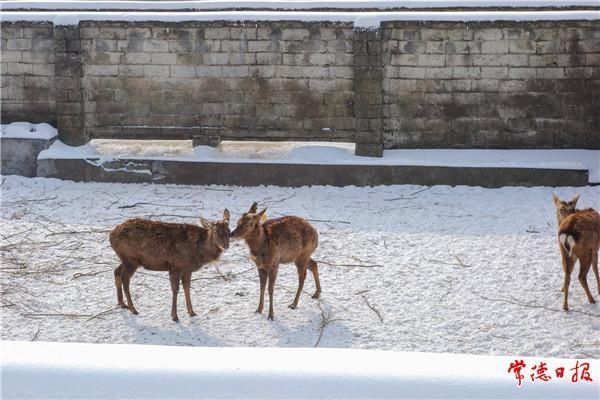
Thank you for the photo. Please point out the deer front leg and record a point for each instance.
(126, 273)
(186, 280)
(119, 286)
(262, 275)
(175, 276)
(272, 278)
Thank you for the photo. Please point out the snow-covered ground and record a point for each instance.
(408, 268)
(366, 20)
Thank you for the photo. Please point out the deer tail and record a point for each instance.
(567, 241)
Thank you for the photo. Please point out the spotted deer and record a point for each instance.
(579, 239)
(179, 249)
(278, 241)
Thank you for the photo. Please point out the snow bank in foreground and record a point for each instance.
(367, 20)
(26, 130)
(289, 5)
(61, 370)
(326, 153)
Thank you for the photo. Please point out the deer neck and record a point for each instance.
(210, 251)
(257, 239)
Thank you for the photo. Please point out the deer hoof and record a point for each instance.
(133, 310)
(175, 319)
(258, 311)
(292, 306)
(270, 318)
(592, 301)
(566, 308)
(316, 295)
(193, 314)
(123, 305)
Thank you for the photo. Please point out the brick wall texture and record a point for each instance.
(406, 85)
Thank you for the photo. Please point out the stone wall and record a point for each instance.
(278, 80)
(408, 84)
(513, 85)
(27, 64)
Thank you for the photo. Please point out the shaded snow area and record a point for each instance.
(77, 370)
(105, 150)
(26, 130)
(407, 268)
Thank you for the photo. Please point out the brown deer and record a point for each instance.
(160, 246)
(278, 241)
(579, 239)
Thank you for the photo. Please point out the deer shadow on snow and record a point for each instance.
(188, 333)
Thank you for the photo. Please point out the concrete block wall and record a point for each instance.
(406, 85)
(497, 85)
(281, 80)
(27, 68)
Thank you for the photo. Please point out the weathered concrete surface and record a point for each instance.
(19, 156)
(411, 84)
(244, 174)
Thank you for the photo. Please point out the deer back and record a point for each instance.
(161, 245)
(291, 237)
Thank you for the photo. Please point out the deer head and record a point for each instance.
(249, 222)
(564, 208)
(219, 230)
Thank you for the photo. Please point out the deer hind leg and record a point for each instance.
(126, 274)
(584, 266)
(272, 278)
(301, 266)
(119, 286)
(174, 276)
(312, 264)
(186, 280)
(595, 269)
(262, 275)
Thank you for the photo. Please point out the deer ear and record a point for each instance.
(226, 215)
(556, 199)
(262, 216)
(253, 208)
(574, 201)
(206, 223)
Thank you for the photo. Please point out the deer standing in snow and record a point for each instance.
(278, 241)
(160, 246)
(579, 239)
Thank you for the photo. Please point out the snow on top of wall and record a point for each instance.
(288, 5)
(32, 370)
(325, 153)
(26, 130)
(368, 20)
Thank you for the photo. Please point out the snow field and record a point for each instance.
(407, 268)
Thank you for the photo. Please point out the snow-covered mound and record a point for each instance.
(91, 371)
(26, 130)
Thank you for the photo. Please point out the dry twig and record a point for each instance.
(376, 311)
